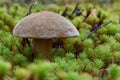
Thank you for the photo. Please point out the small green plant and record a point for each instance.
(40, 70)
(113, 72)
(1, 23)
(21, 74)
(4, 69)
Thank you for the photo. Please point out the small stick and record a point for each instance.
(30, 58)
(76, 7)
(89, 34)
(18, 48)
(64, 12)
(30, 7)
(26, 41)
(97, 25)
(88, 13)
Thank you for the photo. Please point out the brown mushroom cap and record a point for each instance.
(45, 25)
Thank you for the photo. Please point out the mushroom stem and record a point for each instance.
(42, 46)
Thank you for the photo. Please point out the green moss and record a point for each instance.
(112, 30)
(28, 50)
(1, 23)
(102, 31)
(114, 71)
(21, 74)
(117, 36)
(92, 20)
(102, 52)
(104, 38)
(86, 76)
(116, 55)
(87, 65)
(70, 56)
(90, 6)
(39, 8)
(83, 56)
(6, 28)
(4, 69)
(90, 53)
(88, 43)
(76, 21)
(72, 76)
(18, 58)
(58, 52)
(12, 12)
(40, 71)
(16, 6)
(69, 46)
(98, 63)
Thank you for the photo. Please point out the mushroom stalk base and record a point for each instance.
(42, 46)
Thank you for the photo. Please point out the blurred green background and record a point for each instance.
(64, 1)
(113, 3)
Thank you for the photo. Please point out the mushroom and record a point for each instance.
(43, 27)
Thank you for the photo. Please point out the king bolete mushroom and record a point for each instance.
(42, 27)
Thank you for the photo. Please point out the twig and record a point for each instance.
(88, 13)
(89, 34)
(19, 48)
(64, 12)
(30, 7)
(30, 58)
(27, 41)
(76, 7)
(97, 25)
